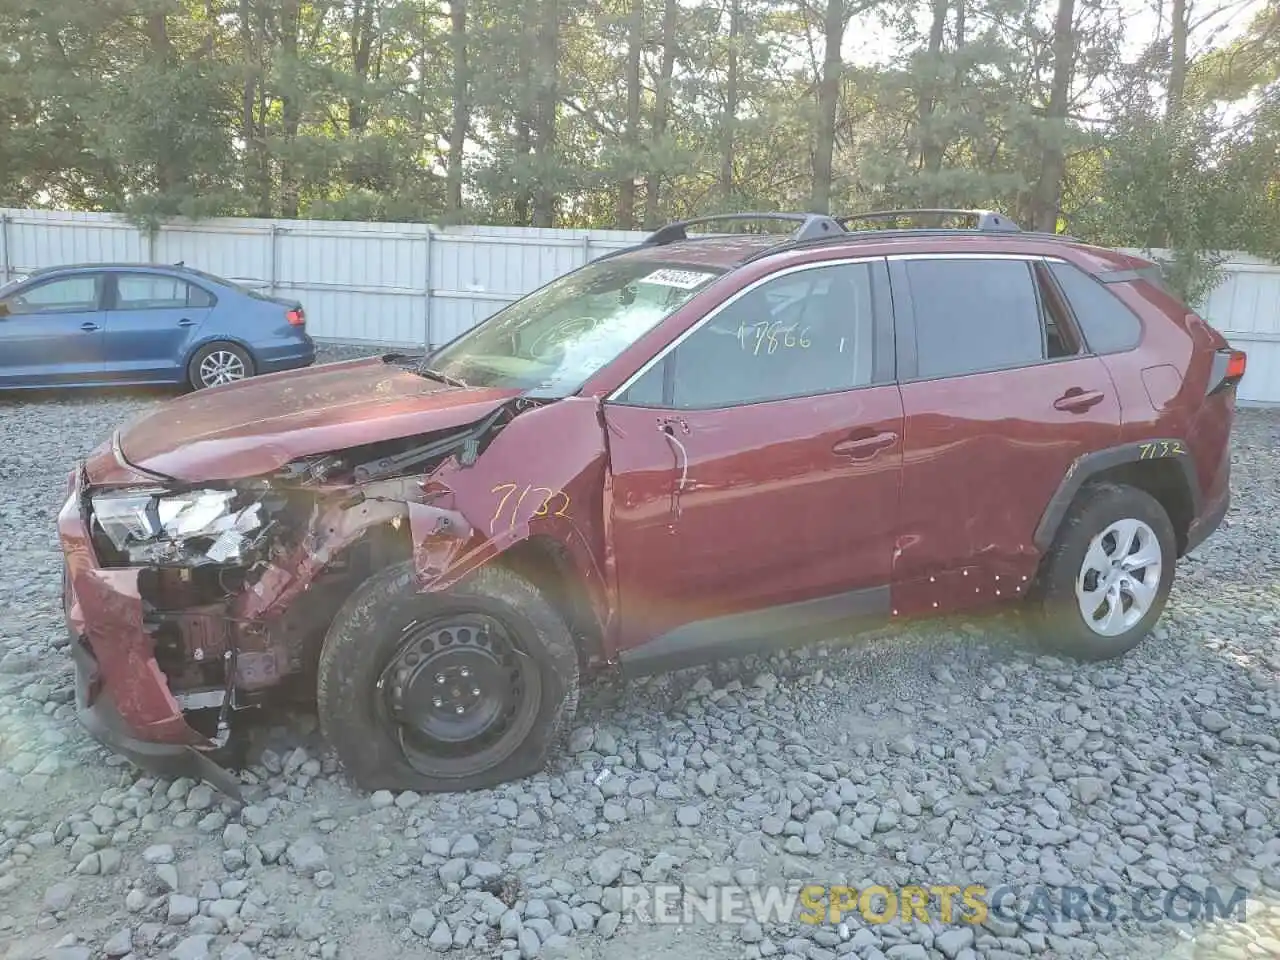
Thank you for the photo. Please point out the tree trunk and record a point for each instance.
(627, 183)
(544, 195)
(729, 118)
(290, 106)
(211, 29)
(461, 102)
(248, 100)
(931, 145)
(1044, 206)
(361, 51)
(158, 39)
(524, 110)
(1177, 59)
(828, 101)
(661, 104)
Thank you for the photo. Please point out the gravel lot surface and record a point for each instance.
(949, 754)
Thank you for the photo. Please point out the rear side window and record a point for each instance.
(141, 291)
(1107, 324)
(974, 315)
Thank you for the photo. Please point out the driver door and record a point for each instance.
(51, 332)
(756, 469)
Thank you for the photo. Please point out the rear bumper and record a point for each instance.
(1209, 520)
(287, 356)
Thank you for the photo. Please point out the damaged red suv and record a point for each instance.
(691, 449)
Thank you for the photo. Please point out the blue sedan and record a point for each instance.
(114, 324)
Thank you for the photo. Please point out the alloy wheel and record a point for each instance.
(1120, 577)
(221, 366)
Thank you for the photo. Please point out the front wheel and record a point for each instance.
(458, 690)
(1106, 580)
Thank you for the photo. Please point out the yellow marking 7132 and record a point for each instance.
(1160, 448)
(548, 497)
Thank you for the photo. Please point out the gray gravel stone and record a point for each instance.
(119, 943)
(948, 749)
(422, 922)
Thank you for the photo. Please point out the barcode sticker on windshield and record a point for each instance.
(684, 279)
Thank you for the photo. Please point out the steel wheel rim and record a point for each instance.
(221, 366)
(458, 694)
(1119, 577)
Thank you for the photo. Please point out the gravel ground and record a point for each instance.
(943, 755)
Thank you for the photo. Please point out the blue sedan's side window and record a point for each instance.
(142, 292)
(64, 295)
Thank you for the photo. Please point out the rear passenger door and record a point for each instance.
(151, 320)
(999, 398)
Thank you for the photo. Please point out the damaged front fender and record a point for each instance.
(523, 490)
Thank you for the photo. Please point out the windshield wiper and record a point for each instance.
(442, 377)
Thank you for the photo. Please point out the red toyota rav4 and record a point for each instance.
(690, 449)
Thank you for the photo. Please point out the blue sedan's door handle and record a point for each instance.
(186, 322)
(89, 326)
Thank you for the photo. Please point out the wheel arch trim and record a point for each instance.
(1088, 466)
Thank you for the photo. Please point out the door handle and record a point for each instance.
(863, 446)
(186, 322)
(89, 326)
(1077, 400)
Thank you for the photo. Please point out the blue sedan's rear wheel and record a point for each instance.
(217, 363)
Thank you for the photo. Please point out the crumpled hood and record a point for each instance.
(258, 425)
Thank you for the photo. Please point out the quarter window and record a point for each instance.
(143, 292)
(973, 315)
(77, 294)
(1107, 324)
(806, 333)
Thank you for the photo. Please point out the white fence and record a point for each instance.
(415, 284)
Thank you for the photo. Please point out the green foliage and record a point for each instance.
(196, 108)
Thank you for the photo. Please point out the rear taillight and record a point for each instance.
(296, 317)
(1228, 369)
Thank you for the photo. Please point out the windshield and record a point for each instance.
(556, 337)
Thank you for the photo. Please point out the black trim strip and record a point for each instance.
(904, 320)
(1089, 465)
(1120, 276)
(740, 634)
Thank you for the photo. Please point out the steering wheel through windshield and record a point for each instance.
(549, 347)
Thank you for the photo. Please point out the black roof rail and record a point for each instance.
(812, 225)
(985, 220)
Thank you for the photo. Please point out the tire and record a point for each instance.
(376, 702)
(233, 359)
(1106, 513)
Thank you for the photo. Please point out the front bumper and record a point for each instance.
(122, 696)
(103, 721)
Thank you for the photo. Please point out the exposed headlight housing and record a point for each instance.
(199, 526)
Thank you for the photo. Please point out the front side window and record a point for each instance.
(974, 315)
(139, 291)
(64, 295)
(805, 333)
(555, 338)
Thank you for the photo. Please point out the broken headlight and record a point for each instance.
(201, 526)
